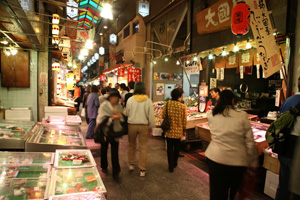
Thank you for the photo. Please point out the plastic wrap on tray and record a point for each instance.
(74, 159)
(80, 196)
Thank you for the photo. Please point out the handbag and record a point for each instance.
(82, 114)
(165, 125)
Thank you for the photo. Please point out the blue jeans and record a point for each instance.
(90, 131)
(283, 192)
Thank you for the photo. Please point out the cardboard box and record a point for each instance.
(271, 184)
(271, 163)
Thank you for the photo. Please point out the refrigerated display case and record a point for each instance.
(76, 180)
(24, 189)
(49, 137)
(79, 196)
(24, 159)
(13, 134)
(73, 159)
(25, 172)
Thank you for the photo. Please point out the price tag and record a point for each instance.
(36, 188)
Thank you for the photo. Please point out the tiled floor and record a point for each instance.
(189, 181)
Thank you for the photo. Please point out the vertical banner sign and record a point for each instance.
(263, 34)
(77, 71)
(121, 71)
(134, 74)
(102, 77)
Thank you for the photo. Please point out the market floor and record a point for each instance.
(189, 181)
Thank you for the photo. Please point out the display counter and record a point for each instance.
(80, 196)
(13, 134)
(74, 180)
(8, 159)
(51, 137)
(63, 120)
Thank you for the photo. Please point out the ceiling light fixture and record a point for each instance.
(177, 63)
(235, 49)
(81, 57)
(195, 58)
(84, 52)
(14, 51)
(105, 27)
(210, 56)
(89, 44)
(248, 45)
(224, 52)
(187, 62)
(106, 12)
(166, 59)
(101, 33)
(154, 62)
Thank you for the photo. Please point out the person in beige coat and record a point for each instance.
(232, 148)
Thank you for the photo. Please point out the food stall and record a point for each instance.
(13, 134)
(50, 137)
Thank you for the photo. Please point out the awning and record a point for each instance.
(116, 67)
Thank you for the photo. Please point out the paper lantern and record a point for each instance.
(101, 51)
(93, 59)
(58, 88)
(88, 64)
(55, 19)
(55, 40)
(240, 18)
(56, 66)
(58, 78)
(55, 29)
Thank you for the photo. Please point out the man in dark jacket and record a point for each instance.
(130, 93)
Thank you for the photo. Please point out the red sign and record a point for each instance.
(121, 71)
(102, 77)
(134, 74)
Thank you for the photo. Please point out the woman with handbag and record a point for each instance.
(177, 119)
(232, 148)
(110, 129)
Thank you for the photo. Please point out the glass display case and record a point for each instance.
(76, 180)
(49, 137)
(13, 134)
(25, 172)
(74, 159)
(80, 196)
(22, 189)
(24, 159)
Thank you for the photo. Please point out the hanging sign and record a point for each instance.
(134, 74)
(246, 58)
(214, 18)
(263, 34)
(72, 11)
(191, 67)
(121, 72)
(71, 81)
(232, 60)
(102, 77)
(77, 71)
(143, 8)
(113, 38)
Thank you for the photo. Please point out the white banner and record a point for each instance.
(263, 34)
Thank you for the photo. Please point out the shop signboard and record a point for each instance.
(190, 65)
(113, 38)
(143, 7)
(72, 11)
(77, 71)
(263, 34)
(121, 72)
(134, 74)
(215, 18)
(102, 77)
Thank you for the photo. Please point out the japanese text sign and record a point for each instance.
(121, 71)
(263, 34)
(215, 18)
(134, 74)
(102, 77)
(191, 67)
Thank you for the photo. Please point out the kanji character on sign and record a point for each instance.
(246, 57)
(209, 18)
(224, 12)
(232, 60)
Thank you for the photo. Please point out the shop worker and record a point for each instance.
(286, 157)
(140, 112)
(84, 101)
(232, 148)
(123, 92)
(92, 108)
(117, 86)
(215, 93)
(178, 119)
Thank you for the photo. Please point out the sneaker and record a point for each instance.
(131, 167)
(142, 173)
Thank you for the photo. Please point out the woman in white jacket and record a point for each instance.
(231, 150)
(140, 112)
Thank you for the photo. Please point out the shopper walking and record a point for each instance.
(84, 101)
(231, 150)
(109, 121)
(130, 93)
(92, 106)
(177, 118)
(140, 112)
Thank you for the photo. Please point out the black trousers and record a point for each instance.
(224, 180)
(173, 151)
(114, 155)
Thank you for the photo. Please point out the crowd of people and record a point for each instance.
(231, 154)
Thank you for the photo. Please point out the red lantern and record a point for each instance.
(240, 18)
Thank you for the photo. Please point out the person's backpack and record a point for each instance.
(278, 134)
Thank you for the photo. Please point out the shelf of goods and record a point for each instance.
(73, 158)
(50, 137)
(193, 117)
(79, 196)
(76, 180)
(25, 175)
(13, 134)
